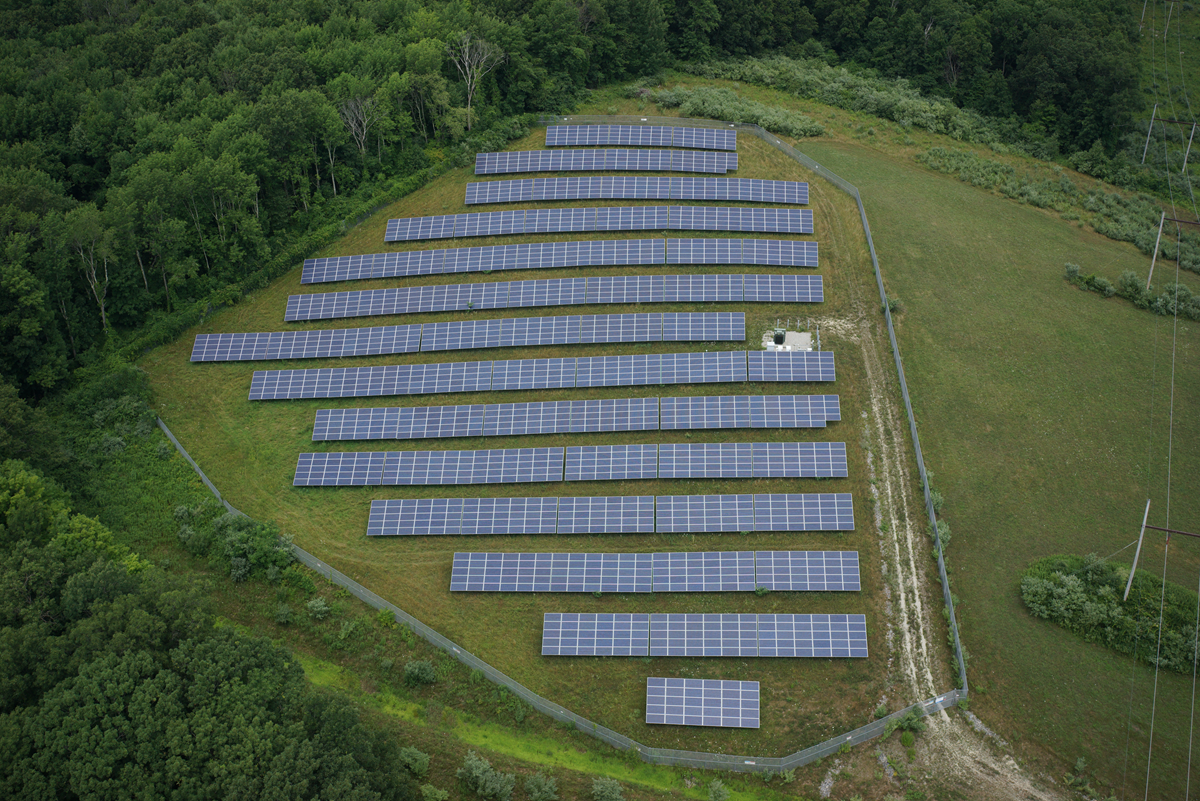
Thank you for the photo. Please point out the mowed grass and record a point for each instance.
(250, 450)
(1044, 413)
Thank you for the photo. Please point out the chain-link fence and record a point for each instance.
(667, 756)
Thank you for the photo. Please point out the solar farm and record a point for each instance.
(628, 510)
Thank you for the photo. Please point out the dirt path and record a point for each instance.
(954, 753)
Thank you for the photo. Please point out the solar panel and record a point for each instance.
(703, 635)
(700, 412)
(331, 343)
(611, 462)
(591, 634)
(618, 414)
(516, 419)
(792, 411)
(702, 702)
(552, 292)
(533, 374)
(412, 422)
(813, 636)
(779, 252)
(546, 255)
(550, 572)
(704, 327)
(640, 135)
(793, 366)
(706, 460)
(622, 328)
(702, 368)
(429, 467)
(615, 514)
(415, 517)
(509, 515)
(615, 371)
(700, 513)
(737, 218)
(799, 460)
(807, 571)
(784, 289)
(350, 382)
(804, 512)
(704, 571)
(607, 159)
(339, 469)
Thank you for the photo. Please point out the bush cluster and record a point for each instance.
(725, 104)
(1083, 594)
(485, 781)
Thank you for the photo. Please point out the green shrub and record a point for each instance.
(283, 614)
(907, 739)
(606, 789)
(318, 609)
(485, 781)
(717, 791)
(881, 711)
(415, 761)
(419, 672)
(431, 793)
(540, 787)
(1083, 594)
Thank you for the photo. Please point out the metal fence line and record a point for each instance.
(667, 756)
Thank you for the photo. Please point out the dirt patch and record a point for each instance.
(956, 753)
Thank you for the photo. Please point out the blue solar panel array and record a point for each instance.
(588, 371)
(744, 635)
(561, 417)
(609, 187)
(550, 255)
(641, 136)
(507, 332)
(550, 292)
(583, 463)
(592, 160)
(396, 468)
(605, 634)
(702, 702)
(551, 572)
(753, 460)
(702, 571)
(381, 340)
(749, 411)
(603, 218)
(617, 514)
(793, 366)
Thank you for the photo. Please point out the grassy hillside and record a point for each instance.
(1039, 407)
(250, 450)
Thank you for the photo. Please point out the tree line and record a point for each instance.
(153, 152)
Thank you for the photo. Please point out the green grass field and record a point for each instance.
(250, 449)
(1034, 402)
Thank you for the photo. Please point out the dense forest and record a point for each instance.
(156, 151)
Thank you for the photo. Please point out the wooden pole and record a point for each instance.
(1138, 552)
(1148, 132)
(1154, 258)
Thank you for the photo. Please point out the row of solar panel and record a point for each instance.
(745, 635)
(610, 159)
(550, 255)
(575, 463)
(611, 514)
(694, 571)
(507, 332)
(641, 136)
(562, 417)
(603, 218)
(557, 292)
(702, 702)
(610, 187)
(584, 371)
